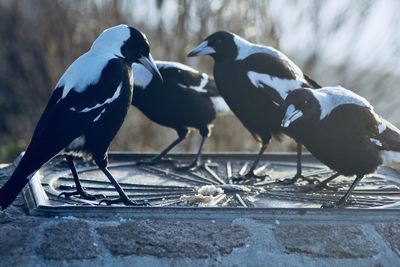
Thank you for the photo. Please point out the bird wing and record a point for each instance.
(188, 79)
(311, 83)
(200, 83)
(377, 130)
(177, 75)
(387, 135)
(191, 81)
(67, 117)
(275, 75)
(275, 65)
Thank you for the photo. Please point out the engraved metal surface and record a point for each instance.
(211, 186)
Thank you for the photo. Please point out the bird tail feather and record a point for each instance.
(312, 83)
(391, 159)
(10, 190)
(389, 143)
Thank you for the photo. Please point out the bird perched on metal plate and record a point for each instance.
(186, 99)
(85, 111)
(342, 130)
(244, 73)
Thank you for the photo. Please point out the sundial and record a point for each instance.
(211, 186)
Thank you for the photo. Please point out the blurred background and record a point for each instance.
(352, 43)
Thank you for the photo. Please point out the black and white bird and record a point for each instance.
(186, 99)
(244, 73)
(342, 130)
(85, 111)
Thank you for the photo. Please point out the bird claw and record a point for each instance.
(320, 186)
(297, 177)
(155, 161)
(337, 205)
(126, 201)
(82, 195)
(248, 179)
(191, 167)
(330, 205)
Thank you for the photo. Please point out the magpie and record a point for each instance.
(342, 130)
(85, 111)
(245, 73)
(186, 99)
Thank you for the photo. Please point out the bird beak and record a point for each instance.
(202, 49)
(292, 114)
(150, 65)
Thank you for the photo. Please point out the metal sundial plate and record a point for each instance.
(211, 186)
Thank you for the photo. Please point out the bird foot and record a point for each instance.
(330, 205)
(320, 186)
(297, 177)
(156, 161)
(337, 205)
(82, 195)
(248, 179)
(191, 167)
(125, 200)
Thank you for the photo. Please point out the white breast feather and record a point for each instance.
(331, 97)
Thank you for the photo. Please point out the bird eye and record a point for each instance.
(302, 104)
(145, 50)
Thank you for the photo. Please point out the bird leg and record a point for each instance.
(299, 175)
(79, 189)
(160, 157)
(196, 162)
(323, 184)
(250, 177)
(123, 197)
(344, 200)
(182, 133)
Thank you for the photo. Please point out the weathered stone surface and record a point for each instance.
(68, 240)
(336, 241)
(16, 209)
(173, 239)
(15, 236)
(391, 233)
(26, 240)
(15, 227)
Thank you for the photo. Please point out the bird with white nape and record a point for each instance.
(85, 111)
(245, 73)
(342, 130)
(187, 99)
